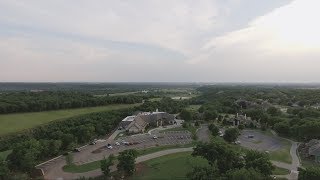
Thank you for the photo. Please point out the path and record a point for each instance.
(293, 167)
(203, 133)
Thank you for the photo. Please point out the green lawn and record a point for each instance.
(10, 123)
(282, 155)
(306, 163)
(96, 164)
(4, 154)
(82, 168)
(161, 148)
(280, 171)
(173, 166)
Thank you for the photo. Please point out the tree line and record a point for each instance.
(13, 102)
(38, 144)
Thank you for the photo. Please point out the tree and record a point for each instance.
(186, 115)
(210, 115)
(244, 174)
(282, 128)
(221, 154)
(203, 173)
(105, 165)
(312, 173)
(273, 111)
(127, 161)
(69, 159)
(231, 135)
(259, 161)
(241, 127)
(24, 156)
(214, 130)
(4, 170)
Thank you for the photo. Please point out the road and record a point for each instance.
(295, 164)
(203, 133)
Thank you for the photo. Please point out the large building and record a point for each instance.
(138, 123)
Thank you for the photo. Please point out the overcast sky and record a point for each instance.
(160, 40)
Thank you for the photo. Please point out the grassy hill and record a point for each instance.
(10, 123)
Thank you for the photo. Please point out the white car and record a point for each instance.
(155, 137)
(117, 143)
(237, 142)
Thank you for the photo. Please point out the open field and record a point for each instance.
(173, 166)
(10, 123)
(280, 171)
(283, 154)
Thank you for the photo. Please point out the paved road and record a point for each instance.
(293, 167)
(203, 133)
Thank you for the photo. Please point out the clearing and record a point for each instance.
(10, 123)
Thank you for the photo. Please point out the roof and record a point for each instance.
(129, 118)
(313, 142)
(314, 150)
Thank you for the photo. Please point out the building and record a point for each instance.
(139, 122)
(311, 150)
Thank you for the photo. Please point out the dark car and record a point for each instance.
(76, 150)
(250, 136)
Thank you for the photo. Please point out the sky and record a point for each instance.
(159, 41)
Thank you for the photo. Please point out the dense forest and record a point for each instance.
(12, 102)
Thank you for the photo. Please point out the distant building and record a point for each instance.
(240, 119)
(139, 122)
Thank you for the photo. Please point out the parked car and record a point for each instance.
(155, 137)
(237, 142)
(250, 136)
(126, 143)
(76, 149)
(109, 146)
(117, 143)
(180, 137)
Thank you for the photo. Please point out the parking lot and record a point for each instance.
(259, 141)
(138, 142)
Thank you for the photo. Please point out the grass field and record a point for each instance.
(10, 123)
(282, 155)
(173, 166)
(82, 168)
(280, 171)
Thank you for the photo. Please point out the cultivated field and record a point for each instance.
(10, 123)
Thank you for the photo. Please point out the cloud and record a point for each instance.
(159, 40)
